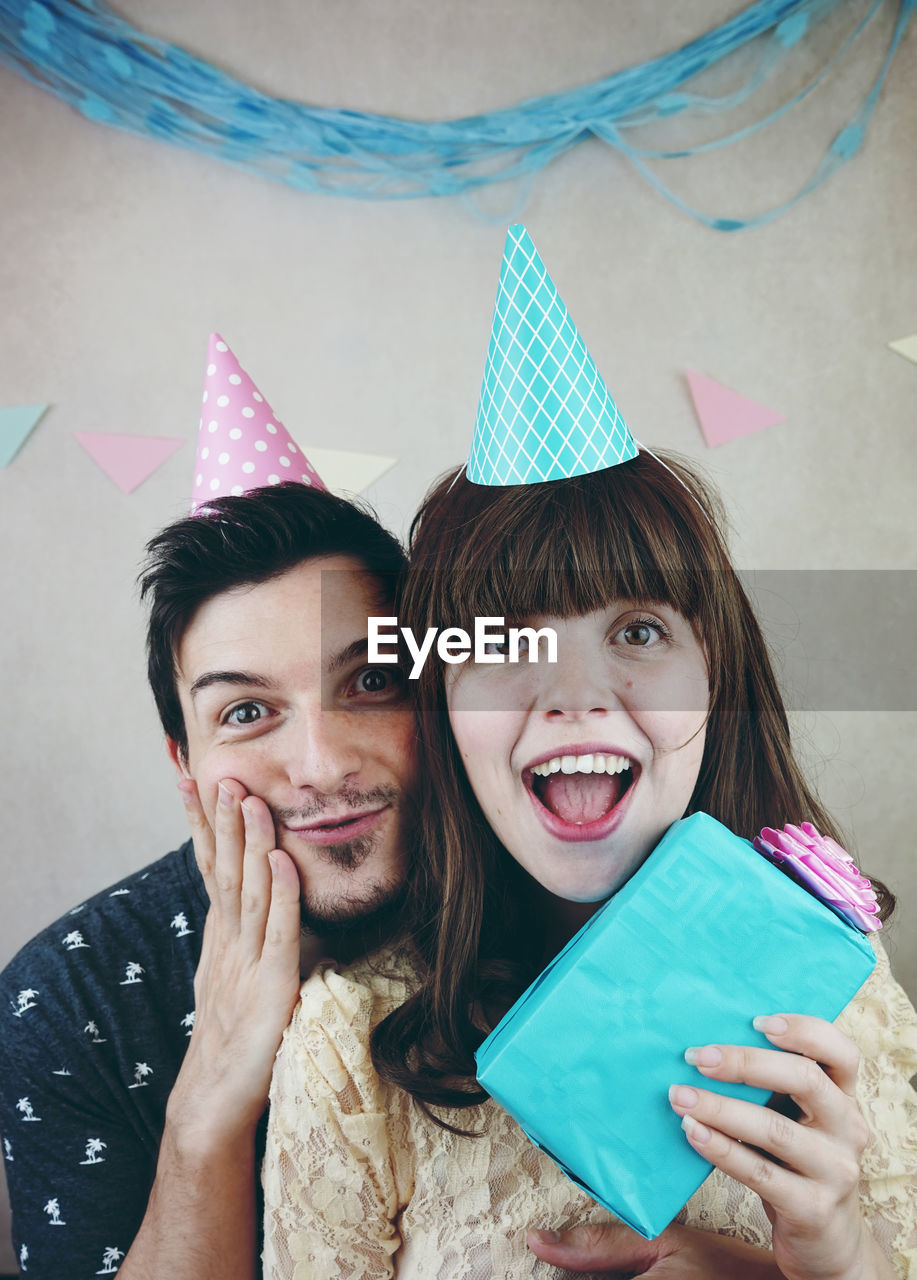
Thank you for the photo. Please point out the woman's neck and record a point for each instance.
(562, 920)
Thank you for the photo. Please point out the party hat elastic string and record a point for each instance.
(644, 449)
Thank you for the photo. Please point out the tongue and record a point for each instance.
(581, 797)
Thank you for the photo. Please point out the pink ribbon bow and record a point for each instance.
(825, 869)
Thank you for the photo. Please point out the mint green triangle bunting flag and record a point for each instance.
(16, 425)
(544, 412)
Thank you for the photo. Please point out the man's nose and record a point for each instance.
(323, 750)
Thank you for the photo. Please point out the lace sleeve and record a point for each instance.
(883, 1023)
(332, 1187)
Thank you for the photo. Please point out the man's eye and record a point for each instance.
(376, 680)
(246, 713)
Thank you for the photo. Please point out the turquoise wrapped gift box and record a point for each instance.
(706, 935)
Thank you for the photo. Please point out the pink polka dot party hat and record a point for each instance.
(241, 443)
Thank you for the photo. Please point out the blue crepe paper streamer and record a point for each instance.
(116, 75)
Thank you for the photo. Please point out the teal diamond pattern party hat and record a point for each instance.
(544, 413)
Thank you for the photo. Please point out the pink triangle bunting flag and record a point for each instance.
(128, 460)
(723, 414)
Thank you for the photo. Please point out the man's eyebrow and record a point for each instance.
(344, 657)
(228, 677)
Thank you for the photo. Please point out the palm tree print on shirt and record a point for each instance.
(92, 1030)
(93, 1147)
(25, 1000)
(141, 1070)
(73, 940)
(52, 1209)
(132, 974)
(179, 922)
(27, 1110)
(110, 1259)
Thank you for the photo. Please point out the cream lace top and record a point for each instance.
(360, 1184)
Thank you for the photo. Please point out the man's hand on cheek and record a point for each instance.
(248, 980)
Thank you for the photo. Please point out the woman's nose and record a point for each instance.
(577, 685)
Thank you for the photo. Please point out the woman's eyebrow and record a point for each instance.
(228, 677)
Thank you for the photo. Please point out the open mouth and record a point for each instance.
(581, 790)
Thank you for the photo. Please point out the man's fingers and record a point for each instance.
(281, 935)
(256, 871)
(229, 831)
(595, 1247)
(199, 830)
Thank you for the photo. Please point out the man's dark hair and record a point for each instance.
(239, 541)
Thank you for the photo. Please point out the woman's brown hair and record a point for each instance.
(643, 532)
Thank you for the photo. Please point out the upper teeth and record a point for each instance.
(582, 764)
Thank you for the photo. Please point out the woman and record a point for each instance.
(664, 697)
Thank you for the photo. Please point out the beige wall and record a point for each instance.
(366, 325)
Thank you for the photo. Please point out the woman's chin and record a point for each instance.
(582, 887)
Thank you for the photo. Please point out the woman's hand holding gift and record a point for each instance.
(807, 1170)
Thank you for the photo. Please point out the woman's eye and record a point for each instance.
(246, 713)
(642, 634)
(506, 650)
(376, 680)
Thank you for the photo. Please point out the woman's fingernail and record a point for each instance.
(225, 796)
(273, 861)
(696, 1131)
(682, 1095)
(547, 1237)
(772, 1024)
(246, 812)
(708, 1056)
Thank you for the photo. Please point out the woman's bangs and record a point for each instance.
(565, 549)
(642, 531)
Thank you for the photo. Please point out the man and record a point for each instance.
(131, 1143)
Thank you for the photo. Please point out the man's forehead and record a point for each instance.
(352, 585)
(318, 608)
